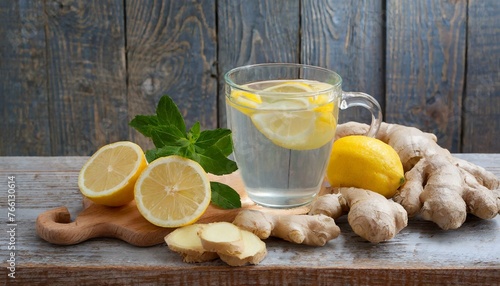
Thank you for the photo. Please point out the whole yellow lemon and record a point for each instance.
(367, 163)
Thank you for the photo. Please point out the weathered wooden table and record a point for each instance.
(421, 254)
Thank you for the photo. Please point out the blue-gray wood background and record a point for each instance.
(74, 73)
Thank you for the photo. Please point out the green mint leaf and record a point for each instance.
(210, 148)
(225, 145)
(168, 114)
(194, 132)
(188, 151)
(220, 138)
(151, 155)
(213, 161)
(145, 124)
(164, 151)
(224, 196)
(167, 136)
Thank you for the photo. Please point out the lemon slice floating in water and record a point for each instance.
(300, 122)
(244, 101)
(285, 123)
(290, 87)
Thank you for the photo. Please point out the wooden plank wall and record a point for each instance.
(74, 73)
(425, 63)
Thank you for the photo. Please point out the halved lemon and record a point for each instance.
(109, 176)
(172, 191)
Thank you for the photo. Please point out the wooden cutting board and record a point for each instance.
(127, 224)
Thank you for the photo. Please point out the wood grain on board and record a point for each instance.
(420, 254)
(127, 224)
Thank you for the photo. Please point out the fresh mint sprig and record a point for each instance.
(210, 148)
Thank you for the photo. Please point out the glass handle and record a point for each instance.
(350, 99)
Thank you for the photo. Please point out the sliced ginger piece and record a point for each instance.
(187, 243)
(222, 237)
(254, 251)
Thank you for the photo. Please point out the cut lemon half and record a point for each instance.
(172, 191)
(109, 176)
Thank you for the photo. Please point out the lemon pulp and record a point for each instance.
(172, 191)
(108, 177)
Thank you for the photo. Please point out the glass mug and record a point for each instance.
(283, 119)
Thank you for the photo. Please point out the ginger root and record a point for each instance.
(301, 229)
(370, 215)
(439, 187)
(205, 242)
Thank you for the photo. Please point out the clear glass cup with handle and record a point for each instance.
(283, 119)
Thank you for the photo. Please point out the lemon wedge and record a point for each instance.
(108, 177)
(172, 191)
